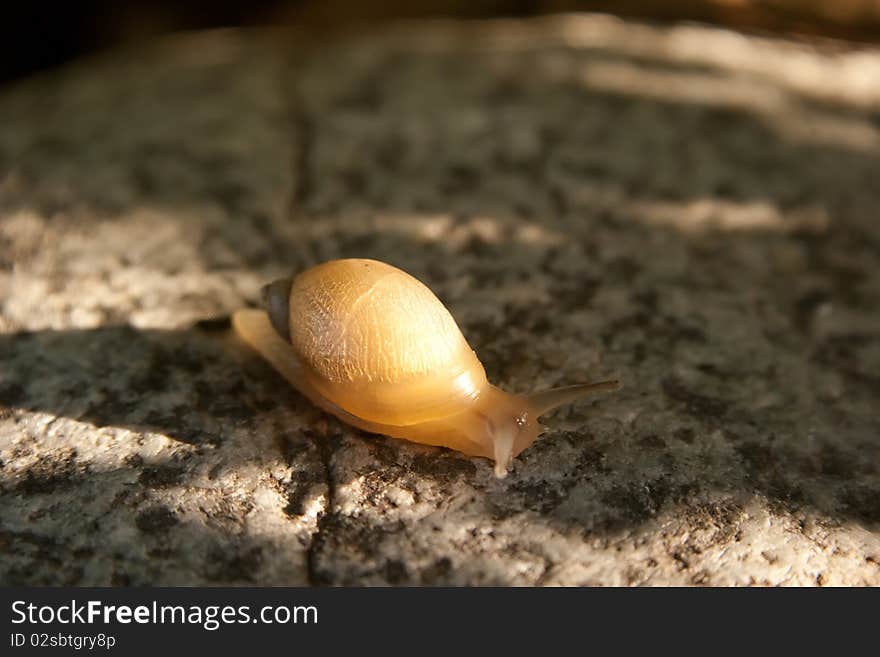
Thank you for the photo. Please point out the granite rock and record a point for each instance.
(691, 209)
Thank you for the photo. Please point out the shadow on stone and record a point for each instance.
(181, 384)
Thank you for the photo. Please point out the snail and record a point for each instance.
(372, 345)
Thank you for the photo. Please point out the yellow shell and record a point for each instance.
(377, 342)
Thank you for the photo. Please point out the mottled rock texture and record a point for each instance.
(691, 209)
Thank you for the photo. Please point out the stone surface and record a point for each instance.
(692, 209)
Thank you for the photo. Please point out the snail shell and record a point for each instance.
(372, 345)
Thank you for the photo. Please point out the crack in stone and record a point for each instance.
(303, 129)
(325, 449)
(302, 178)
(302, 126)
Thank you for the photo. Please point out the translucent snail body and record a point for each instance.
(372, 345)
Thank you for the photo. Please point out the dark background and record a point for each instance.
(38, 35)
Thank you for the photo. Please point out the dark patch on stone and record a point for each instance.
(685, 435)
(731, 436)
(481, 332)
(327, 439)
(51, 474)
(355, 182)
(292, 447)
(833, 462)
(684, 332)
(383, 452)
(713, 370)
(111, 410)
(540, 496)
(229, 513)
(437, 275)
(648, 299)
(239, 566)
(45, 544)
(300, 489)
(391, 151)
(214, 324)
(638, 502)
(805, 309)
(574, 293)
(702, 578)
(296, 498)
(365, 96)
(24, 337)
(633, 576)
(479, 247)
(11, 393)
(119, 578)
(365, 541)
(502, 509)
(558, 199)
(592, 459)
(156, 372)
(488, 275)
(395, 572)
(622, 269)
(681, 561)
(376, 482)
(720, 516)
(758, 458)
(443, 465)
(863, 503)
(540, 325)
(785, 495)
(83, 552)
(437, 572)
(843, 353)
(73, 576)
(769, 557)
(155, 519)
(639, 320)
(50, 147)
(767, 467)
(230, 194)
(222, 399)
(188, 359)
(162, 475)
(160, 552)
(123, 496)
(652, 442)
(694, 403)
(178, 425)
